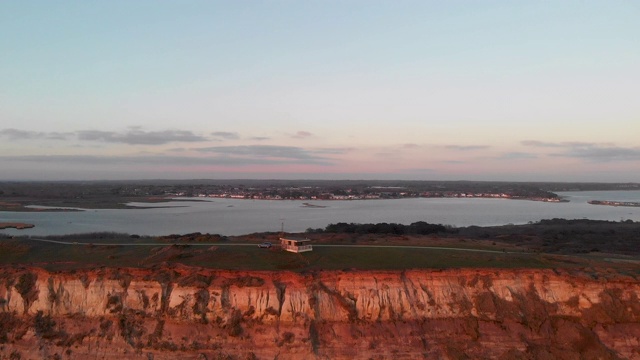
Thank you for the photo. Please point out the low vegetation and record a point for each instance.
(395, 246)
(417, 228)
(560, 236)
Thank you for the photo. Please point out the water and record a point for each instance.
(237, 217)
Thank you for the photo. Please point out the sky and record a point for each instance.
(416, 90)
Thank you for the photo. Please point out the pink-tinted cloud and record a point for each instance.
(466, 147)
(301, 135)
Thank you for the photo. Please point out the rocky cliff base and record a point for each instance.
(190, 313)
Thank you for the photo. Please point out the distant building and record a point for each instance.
(296, 245)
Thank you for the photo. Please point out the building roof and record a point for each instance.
(296, 239)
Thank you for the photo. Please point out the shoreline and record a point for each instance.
(614, 203)
(307, 201)
(118, 205)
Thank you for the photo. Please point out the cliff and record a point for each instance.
(191, 313)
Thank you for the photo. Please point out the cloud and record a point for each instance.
(16, 134)
(58, 136)
(602, 154)
(589, 151)
(291, 154)
(301, 135)
(536, 143)
(410, 146)
(332, 151)
(157, 160)
(133, 136)
(466, 147)
(518, 155)
(259, 138)
(139, 137)
(226, 135)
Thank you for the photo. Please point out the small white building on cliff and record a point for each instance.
(296, 245)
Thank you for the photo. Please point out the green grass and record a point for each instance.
(53, 256)
(398, 258)
(88, 253)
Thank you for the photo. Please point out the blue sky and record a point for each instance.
(487, 90)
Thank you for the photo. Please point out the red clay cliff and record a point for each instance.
(192, 313)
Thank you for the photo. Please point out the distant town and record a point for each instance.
(359, 190)
(349, 194)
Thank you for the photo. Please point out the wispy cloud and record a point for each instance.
(536, 143)
(518, 155)
(466, 147)
(16, 134)
(410, 146)
(301, 135)
(332, 151)
(139, 137)
(226, 135)
(602, 154)
(259, 138)
(596, 152)
(58, 136)
(290, 153)
(133, 136)
(160, 160)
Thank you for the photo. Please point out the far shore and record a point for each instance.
(614, 203)
(139, 203)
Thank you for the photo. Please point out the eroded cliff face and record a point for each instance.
(205, 314)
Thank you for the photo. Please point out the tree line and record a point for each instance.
(416, 228)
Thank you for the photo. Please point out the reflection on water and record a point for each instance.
(236, 217)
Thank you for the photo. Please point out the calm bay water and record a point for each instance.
(237, 217)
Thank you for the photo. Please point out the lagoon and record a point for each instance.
(238, 217)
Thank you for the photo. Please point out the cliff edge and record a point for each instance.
(194, 313)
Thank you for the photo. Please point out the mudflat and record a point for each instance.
(19, 226)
